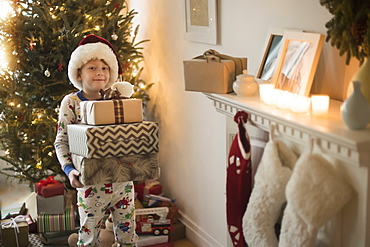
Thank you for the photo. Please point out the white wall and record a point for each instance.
(192, 133)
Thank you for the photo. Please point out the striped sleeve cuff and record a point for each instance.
(68, 168)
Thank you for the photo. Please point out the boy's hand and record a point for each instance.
(73, 179)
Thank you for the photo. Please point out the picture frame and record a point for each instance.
(297, 61)
(201, 21)
(271, 50)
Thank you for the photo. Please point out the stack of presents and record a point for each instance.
(113, 144)
(55, 219)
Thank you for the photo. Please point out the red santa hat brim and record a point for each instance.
(93, 47)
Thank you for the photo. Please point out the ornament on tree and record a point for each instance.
(64, 32)
(20, 118)
(114, 36)
(47, 72)
(32, 45)
(126, 66)
(14, 53)
(60, 66)
(116, 6)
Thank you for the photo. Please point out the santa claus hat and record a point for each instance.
(93, 47)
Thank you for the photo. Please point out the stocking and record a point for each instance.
(239, 180)
(267, 198)
(315, 193)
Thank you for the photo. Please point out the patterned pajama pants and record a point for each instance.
(96, 202)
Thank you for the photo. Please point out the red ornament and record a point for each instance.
(60, 66)
(20, 118)
(32, 45)
(116, 6)
(126, 66)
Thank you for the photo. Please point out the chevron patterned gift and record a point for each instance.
(117, 169)
(113, 140)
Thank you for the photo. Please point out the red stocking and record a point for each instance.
(238, 181)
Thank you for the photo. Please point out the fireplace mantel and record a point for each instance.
(330, 133)
(351, 150)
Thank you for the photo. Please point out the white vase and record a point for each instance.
(356, 110)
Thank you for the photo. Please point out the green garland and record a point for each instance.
(349, 29)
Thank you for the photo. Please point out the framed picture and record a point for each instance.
(270, 53)
(297, 61)
(201, 21)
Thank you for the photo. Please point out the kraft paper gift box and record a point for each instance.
(115, 111)
(50, 205)
(57, 222)
(117, 169)
(10, 236)
(49, 187)
(113, 140)
(212, 76)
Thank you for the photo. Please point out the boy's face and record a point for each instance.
(94, 76)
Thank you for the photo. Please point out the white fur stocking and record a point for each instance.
(315, 193)
(268, 194)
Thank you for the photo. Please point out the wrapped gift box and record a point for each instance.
(179, 231)
(143, 189)
(50, 205)
(212, 76)
(32, 226)
(57, 222)
(117, 169)
(113, 140)
(115, 111)
(49, 187)
(146, 240)
(10, 236)
(166, 244)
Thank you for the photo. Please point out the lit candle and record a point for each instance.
(283, 99)
(300, 104)
(267, 93)
(320, 104)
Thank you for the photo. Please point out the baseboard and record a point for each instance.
(196, 234)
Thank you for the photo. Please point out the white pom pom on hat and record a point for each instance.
(93, 47)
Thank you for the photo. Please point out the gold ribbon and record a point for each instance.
(210, 55)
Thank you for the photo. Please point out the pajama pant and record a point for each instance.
(96, 202)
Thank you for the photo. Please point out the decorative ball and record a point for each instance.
(125, 88)
(47, 73)
(114, 36)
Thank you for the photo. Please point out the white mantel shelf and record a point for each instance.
(330, 133)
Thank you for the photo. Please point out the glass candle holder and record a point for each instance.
(300, 104)
(320, 104)
(283, 99)
(267, 94)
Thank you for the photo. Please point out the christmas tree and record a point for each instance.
(39, 37)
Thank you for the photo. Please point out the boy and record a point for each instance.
(94, 65)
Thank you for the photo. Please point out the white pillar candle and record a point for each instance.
(267, 93)
(300, 104)
(320, 104)
(283, 99)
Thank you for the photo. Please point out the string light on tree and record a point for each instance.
(114, 36)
